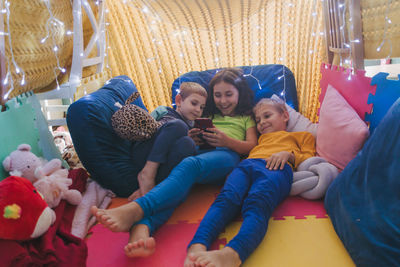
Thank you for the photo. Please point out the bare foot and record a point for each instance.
(147, 176)
(140, 243)
(226, 257)
(119, 219)
(191, 254)
(135, 195)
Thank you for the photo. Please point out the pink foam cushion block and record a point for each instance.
(341, 133)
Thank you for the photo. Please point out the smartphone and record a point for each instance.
(203, 124)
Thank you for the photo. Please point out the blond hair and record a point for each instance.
(188, 88)
(279, 105)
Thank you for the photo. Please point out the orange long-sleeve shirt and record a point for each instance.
(301, 144)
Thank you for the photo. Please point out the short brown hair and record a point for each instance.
(188, 88)
(279, 105)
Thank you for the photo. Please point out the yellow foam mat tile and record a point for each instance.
(293, 242)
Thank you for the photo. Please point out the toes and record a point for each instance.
(202, 261)
(141, 243)
(135, 245)
(150, 243)
(193, 256)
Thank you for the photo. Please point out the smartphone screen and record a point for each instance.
(203, 123)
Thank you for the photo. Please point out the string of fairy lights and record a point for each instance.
(182, 35)
(387, 22)
(51, 26)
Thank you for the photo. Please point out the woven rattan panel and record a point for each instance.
(373, 14)
(27, 22)
(154, 42)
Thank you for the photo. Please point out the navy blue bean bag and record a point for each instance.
(363, 202)
(105, 155)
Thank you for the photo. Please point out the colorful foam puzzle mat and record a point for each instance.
(354, 87)
(387, 92)
(299, 234)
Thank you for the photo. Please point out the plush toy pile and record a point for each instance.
(47, 177)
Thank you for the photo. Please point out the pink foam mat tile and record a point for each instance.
(106, 248)
(354, 87)
(299, 208)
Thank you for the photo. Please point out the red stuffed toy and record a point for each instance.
(23, 212)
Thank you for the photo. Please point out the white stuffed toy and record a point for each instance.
(48, 177)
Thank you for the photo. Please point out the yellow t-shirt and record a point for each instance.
(234, 127)
(302, 144)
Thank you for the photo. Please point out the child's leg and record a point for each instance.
(225, 207)
(164, 143)
(268, 190)
(165, 140)
(221, 212)
(140, 243)
(182, 148)
(209, 167)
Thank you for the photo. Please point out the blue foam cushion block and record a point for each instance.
(387, 92)
(106, 156)
(273, 78)
(363, 201)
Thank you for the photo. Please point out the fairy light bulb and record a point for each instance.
(5, 82)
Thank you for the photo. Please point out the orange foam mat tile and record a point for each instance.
(196, 205)
(292, 242)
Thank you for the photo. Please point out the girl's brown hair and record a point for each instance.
(233, 76)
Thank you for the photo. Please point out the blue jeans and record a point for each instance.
(256, 191)
(209, 167)
(168, 147)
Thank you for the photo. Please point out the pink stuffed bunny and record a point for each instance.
(48, 177)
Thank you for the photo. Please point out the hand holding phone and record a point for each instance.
(203, 124)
